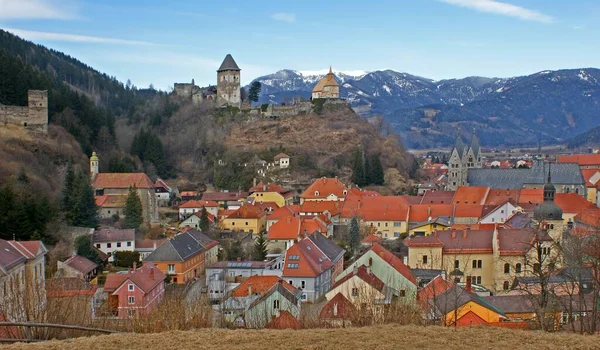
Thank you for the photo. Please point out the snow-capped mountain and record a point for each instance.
(507, 111)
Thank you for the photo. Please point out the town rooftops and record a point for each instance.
(380, 208)
(81, 264)
(262, 187)
(228, 64)
(111, 234)
(247, 211)
(146, 278)
(327, 246)
(224, 196)
(581, 159)
(122, 180)
(318, 207)
(437, 197)
(456, 296)
(323, 187)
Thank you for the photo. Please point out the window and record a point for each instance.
(476, 279)
(396, 234)
(402, 293)
(303, 296)
(477, 264)
(98, 245)
(397, 224)
(505, 285)
(518, 268)
(302, 284)
(130, 287)
(506, 268)
(246, 223)
(108, 245)
(424, 259)
(354, 292)
(294, 257)
(171, 268)
(118, 244)
(379, 224)
(292, 266)
(129, 244)
(131, 300)
(276, 304)
(456, 264)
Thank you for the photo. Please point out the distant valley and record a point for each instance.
(550, 105)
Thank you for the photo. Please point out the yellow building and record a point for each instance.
(427, 227)
(247, 218)
(264, 193)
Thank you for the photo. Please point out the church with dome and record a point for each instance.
(327, 87)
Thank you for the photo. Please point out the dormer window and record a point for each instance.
(345, 192)
(316, 193)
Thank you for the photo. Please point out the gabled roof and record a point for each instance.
(456, 297)
(394, 261)
(285, 320)
(287, 228)
(333, 207)
(371, 239)
(111, 234)
(247, 211)
(437, 197)
(161, 183)
(29, 249)
(435, 287)
(328, 247)
(470, 195)
(281, 156)
(380, 208)
(81, 264)
(422, 212)
(500, 196)
(199, 204)
(339, 307)
(305, 259)
(9, 257)
(148, 243)
(122, 180)
(562, 173)
(468, 211)
(531, 195)
(146, 278)
(280, 213)
(228, 64)
(323, 187)
(328, 80)
(224, 196)
(182, 247)
(259, 285)
(364, 274)
(261, 187)
(573, 203)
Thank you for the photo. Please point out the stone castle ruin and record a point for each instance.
(34, 116)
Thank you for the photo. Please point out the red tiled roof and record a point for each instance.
(111, 201)
(320, 207)
(380, 208)
(394, 261)
(122, 180)
(260, 285)
(146, 278)
(210, 216)
(280, 156)
(345, 309)
(267, 207)
(224, 196)
(364, 275)
(572, 203)
(199, 204)
(370, 239)
(423, 241)
(81, 264)
(29, 249)
(581, 159)
(470, 195)
(531, 195)
(515, 242)
(261, 187)
(285, 320)
(435, 287)
(111, 234)
(149, 243)
(311, 263)
(324, 187)
(499, 196)
(284, 211)
(468, 211)
(247, 211)
(287, 228)
(437, 197)
(453, 241)
(587, 175)
(422, 212)
(189, 193)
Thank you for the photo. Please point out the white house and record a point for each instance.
(500, 214)
(283, 160)
(191, 207)
(110, 240)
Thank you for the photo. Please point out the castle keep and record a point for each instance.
(228, 83)
(34, 116)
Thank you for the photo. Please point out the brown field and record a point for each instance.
(371, 338)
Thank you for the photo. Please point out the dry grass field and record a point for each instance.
(371, 338)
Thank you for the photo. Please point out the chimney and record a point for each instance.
(264, 187)
(370, 262)
(134, 267)
(254, 182)
(152, 273)
(465, 233)
(249, 289)
(468, 288)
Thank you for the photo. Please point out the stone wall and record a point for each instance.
(33, 117)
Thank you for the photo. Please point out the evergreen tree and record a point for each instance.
(204, 222)
(83, 246)
(260, 248)
(66, 198)
(236, 250)
(83, 211)
(358, 168)
(354, 235)
(413, 173)
(133, 209)
(376, 175)
(254, 92)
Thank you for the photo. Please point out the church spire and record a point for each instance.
(330, 70)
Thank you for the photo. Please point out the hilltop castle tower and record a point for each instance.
(463, 158)
(327, 87)
(228, 83)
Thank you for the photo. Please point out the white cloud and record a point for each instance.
(49, 36)
(284, 17)
(37, 9)
(502, 8)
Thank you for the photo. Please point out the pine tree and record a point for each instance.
(358, 168)
(376, 175)
(260, 248)
(204, 222)
(133, 209)
(84, 211)
(354, 235)
(83, 246)
(67, 190)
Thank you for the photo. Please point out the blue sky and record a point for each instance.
(163, 42)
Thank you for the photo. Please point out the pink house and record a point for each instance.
(136, 292)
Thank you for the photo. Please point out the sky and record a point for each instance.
(161, 42)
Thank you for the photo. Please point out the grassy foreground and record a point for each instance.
(371, 338)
